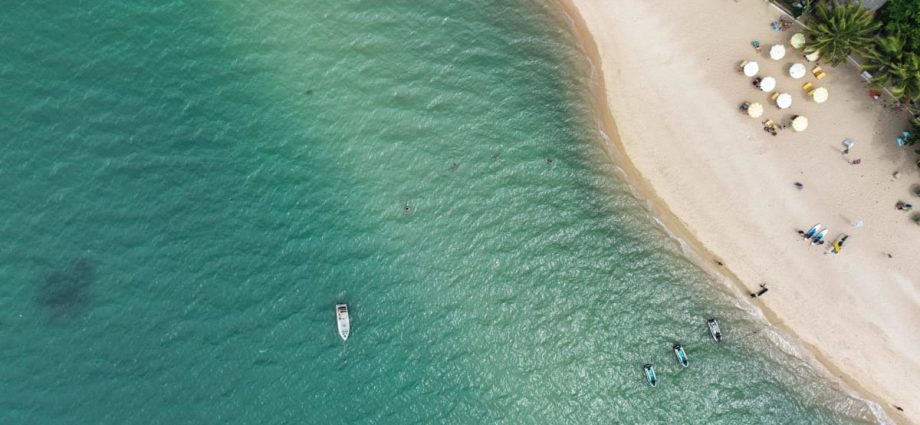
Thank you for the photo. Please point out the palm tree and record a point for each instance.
(894, 67)
(839, 30)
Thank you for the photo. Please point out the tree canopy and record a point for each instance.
(841, 30)
(902, 17)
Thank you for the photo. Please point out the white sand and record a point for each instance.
(669, 68)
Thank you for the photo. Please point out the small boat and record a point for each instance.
(681, 355)
(341, 317)
(839, 244)
(819, 238)
(714, 330)
(650, 374)
(811, 232)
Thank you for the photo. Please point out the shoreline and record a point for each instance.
(691, 244)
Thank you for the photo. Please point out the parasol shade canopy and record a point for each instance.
(799, 123)
(751, 68)
(777, 52)
(797, 41)
(784, 100)
(819, 95)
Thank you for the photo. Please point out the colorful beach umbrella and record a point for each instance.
(797, 71)
(797, 41)
(777, 52)
(755, 110)
(820, 95)
(767, 83)
(813, 55)
(799, 123)
(751, 68)
(784, 100)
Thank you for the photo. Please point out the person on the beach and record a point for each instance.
(763, 290)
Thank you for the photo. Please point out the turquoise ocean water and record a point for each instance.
(187, 188)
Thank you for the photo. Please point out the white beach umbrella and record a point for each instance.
(755, 110)
(813, 56)
(777, 52)
(797, 71)
(799, 123)
(784, 100)
(767, 83)
(797, 41)
(820, 95)
(751, 68)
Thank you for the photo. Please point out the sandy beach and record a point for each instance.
(717, 180)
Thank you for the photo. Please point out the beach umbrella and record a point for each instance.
(751, 68)
(755, 110)
(797, 41)
(797, 71)
(784, 100)
(799, 123)
(813, 55)
(820, 95)
(777, 52)
(767, 83)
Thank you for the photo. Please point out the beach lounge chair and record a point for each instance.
(819, 72)
(812, 92)
(774, 96)
(807, 86)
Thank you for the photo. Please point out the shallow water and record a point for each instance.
(189, 187)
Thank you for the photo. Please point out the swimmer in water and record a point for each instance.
(407, 209)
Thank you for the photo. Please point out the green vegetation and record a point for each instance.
(902, 18)
(838, 31)
(892, 66)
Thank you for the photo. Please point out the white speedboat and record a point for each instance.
(714, 330)
(341, 317)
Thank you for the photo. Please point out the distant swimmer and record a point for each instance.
(407, 208)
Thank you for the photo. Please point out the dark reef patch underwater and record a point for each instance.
(67, 291)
